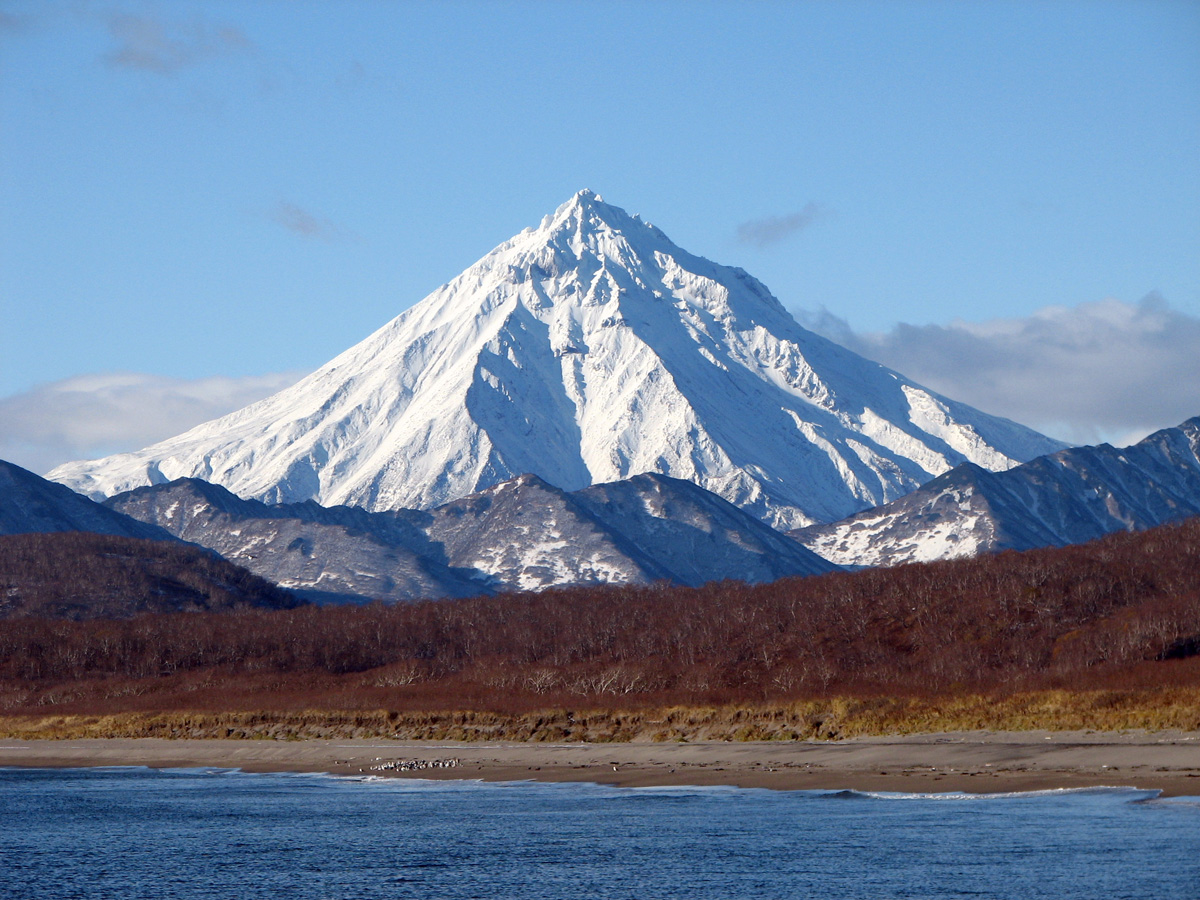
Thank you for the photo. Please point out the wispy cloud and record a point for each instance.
(164, 47)
(13, 22)
(306, 224)
(772, 229)
(88, 416)
(1105, 371)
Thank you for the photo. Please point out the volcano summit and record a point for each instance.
(589, 349)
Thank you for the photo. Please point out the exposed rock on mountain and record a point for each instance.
(1064, 498)
(692, 535)
(523, 534)
(334, 554)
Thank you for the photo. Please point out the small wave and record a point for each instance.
(844, 795)
(1186, 802)
(685, 792)
(409, 784)
(690, 788)
(1136, 795)
(121, 768)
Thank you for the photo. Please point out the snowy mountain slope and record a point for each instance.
(334, 554)
(527, 534)
(691, 534)
(30, 504)
(587, 350)
(523, 534)
(1065, 498)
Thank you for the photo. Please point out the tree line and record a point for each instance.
(1126, 606)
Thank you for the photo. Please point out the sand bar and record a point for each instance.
(976, 762)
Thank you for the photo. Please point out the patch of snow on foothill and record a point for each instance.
(589, 349)
(858, 545)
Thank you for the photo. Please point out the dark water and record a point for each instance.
(137, 833)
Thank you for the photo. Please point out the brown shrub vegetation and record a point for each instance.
(81, 575)
(1117, 615)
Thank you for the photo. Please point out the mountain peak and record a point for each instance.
(588, 350)
(586, 212)
(589, 200)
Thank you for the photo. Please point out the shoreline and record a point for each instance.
(970, 762)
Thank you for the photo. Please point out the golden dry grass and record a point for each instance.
(824, 719)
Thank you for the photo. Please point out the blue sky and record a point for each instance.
(1002, 199)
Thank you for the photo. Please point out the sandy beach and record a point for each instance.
(976, 762)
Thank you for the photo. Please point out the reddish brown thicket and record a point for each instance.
(1126, 607)
(81, 575)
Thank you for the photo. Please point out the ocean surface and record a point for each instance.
(200, 833)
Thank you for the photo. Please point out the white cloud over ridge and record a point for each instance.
(1104, 371)
(89, 416)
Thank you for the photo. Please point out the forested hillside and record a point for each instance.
(1120, 612)
(82, 575)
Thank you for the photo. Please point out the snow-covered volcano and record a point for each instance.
(587, 350)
